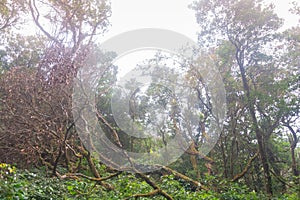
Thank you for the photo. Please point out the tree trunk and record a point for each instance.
(293, 144)
(258, 131)
(294, 165)
(224, 158)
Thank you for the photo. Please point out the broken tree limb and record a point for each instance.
(240, 175)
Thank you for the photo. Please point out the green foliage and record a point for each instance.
(19, 50)
(34, 184)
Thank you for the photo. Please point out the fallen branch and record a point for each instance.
(195, 184)
(240, 175)
(99, 180)
(149, 194)
(157, 190)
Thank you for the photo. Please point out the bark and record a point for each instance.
(245, 170)
(293, 144)
(195, 184)
(224, 159)
(156, 188)
(257, 130)
(193, 159)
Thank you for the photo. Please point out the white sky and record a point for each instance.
(166, 14)
(169, 14)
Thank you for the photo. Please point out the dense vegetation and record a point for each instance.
(257, 155)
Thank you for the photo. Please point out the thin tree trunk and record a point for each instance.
(224, 159)
(293, 143)
(258, 132)
(193, 159)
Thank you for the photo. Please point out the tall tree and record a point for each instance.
(291, 38)
(249, 26)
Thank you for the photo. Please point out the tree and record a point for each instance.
(42, 93)
(10, 13)
(19, 50)
(71, 23)
(249, 27)
(10, 16)
(291, 58)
